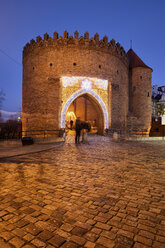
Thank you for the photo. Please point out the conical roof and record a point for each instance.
(135, 61)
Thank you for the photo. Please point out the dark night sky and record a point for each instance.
(141, 21)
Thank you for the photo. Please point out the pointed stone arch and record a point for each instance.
(91, 93)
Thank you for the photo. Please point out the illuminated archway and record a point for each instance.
(79, 93)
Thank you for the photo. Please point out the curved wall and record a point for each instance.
(141, 101)
(45, 62)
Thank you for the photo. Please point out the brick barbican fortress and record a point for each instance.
(66, 77)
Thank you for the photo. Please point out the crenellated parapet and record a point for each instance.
(85, 42)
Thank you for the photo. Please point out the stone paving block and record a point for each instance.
(78, 240)
(130, 228)
(118, 245)
(160, 239)
(108, 234)
(45, 235)
(42, 224)
(57, 240)
(7, 217)
(19, 232)
(67, 227)
(102, 226)
(30, 219)
(99, 246)
(62, 233)
(69, 245)
(6, 235)
(146, 234)
(125, 233)
(147, 223)
(3, 213)
(50, 246)
(106, 242)
(89, 244)
(100, 219)
(28, 246)
(123, 240)
(157, 244)
(78, 231)
(161, 233)
(91, 222)
(3, 244)
(140, 245)
(28, 237)
(21, 223)
(147, 228)
(91, 236)
(17, 242)
(10, 227)
(38, 243)
(114, 223)
(143, 240)
(96, 230)
(83, 225)
(31, 228)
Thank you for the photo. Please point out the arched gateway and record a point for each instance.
(95, 79)
(75, 87)
(95, 97)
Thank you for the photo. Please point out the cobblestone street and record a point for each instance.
(96, 195)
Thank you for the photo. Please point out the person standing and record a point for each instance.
(71, 124)
(78, 130)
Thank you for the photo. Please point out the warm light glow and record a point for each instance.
(68, 82)
(81, 92)
(71, 115)
(85, 82)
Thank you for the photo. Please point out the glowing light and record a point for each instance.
(69, 81)
(81, 92)
(71, 115)
(86, 84)
(102, 83)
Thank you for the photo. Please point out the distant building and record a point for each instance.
(158, 101)
(6, 115)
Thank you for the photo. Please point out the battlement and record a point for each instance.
(83, 42)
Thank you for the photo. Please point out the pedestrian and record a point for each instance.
(71, 124)
(78, 130)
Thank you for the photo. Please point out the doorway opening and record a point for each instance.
(89, 110)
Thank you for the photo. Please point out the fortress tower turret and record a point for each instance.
(139, 92)
(82, 76)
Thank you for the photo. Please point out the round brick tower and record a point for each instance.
(58, 71)
(140, 93)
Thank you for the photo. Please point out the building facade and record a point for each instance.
(66, 77)
(158, 101)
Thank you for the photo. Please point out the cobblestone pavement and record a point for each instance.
(101, 194)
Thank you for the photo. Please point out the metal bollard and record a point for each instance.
(115, 136)
(84, 137)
